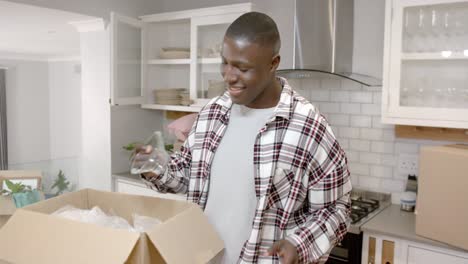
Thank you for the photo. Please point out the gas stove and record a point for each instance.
(364, 206)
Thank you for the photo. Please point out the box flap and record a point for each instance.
(22, 241)
(188, 232)
(7, 206)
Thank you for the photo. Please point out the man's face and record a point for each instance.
(248, 70)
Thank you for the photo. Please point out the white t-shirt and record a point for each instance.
(231, 199)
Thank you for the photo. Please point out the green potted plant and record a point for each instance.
(22, 194)
(61, 184)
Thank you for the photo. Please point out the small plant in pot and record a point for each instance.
(21, 194)
(61, 184)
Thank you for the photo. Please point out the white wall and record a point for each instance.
(101, 8)
(43, 117)
(28, 121)
(65, 119)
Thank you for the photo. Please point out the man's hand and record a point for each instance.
(285, 250)
(140, 155)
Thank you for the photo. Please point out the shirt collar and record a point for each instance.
(283, 109)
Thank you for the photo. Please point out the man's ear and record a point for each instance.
(275, 62)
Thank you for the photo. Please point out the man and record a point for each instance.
(261, 161)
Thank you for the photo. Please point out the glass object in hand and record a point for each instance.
(153, 158)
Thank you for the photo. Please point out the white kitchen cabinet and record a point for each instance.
(139, 188)
(138, 69)
(374, 251)
(426, 63)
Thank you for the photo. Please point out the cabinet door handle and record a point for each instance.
(388, 250)
(371, 258)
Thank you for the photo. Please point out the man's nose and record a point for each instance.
(230, 74)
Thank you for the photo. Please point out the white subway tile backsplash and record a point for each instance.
(382, 147)
(339, 96)
(331, 84)
(351, 108)
(377, 98)
(320, 95)
(393, 186)
(389, 134)
(359, 145)
(370, 183)
(406, 148)
(353, 156)
(354, 179)
(329, 108)
(371, 147)
(381, 171)
(361, 121)
(377, 123)
(370, 109)
(360, 97)
(370, 158)
(372, 133)
(344, 142)
(358, 168)
(389, 160)
(338, 119)
(349, 132)
(310, 83)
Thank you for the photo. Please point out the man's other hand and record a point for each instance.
(285, 251)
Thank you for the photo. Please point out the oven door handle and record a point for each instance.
(337, 260)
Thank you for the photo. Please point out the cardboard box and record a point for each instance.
(7, 205)
(442, 194)
(32, 235)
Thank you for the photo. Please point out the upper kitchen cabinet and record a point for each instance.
(170, 61)
(426, 63)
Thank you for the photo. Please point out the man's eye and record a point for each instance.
(243, 70)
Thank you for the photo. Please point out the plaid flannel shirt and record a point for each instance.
(302, 182)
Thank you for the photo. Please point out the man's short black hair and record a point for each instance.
(256, 27)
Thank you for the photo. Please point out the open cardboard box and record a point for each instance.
(34, 236)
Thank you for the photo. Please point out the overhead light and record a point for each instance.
(465, 52)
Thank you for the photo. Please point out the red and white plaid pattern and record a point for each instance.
(301, 177)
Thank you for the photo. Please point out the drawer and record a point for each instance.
(417, 255)
(141, 189)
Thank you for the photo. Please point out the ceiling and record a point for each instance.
(31, 30)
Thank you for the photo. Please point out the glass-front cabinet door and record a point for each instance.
(207, 37)
(126, 60)
(426, 63)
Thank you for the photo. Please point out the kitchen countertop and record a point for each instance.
(394, 222)
(128, 176)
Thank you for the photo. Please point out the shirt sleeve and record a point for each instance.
(175, 178)
(328, 208)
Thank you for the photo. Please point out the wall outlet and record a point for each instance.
(408, 164)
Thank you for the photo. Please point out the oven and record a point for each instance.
(364, 206)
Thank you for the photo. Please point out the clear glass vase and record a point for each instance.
(152, 158)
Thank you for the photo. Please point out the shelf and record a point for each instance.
(444, 55)
(210, 60)
(182, 108)
(169, 61)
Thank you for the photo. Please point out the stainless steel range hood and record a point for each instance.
(323, 41)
